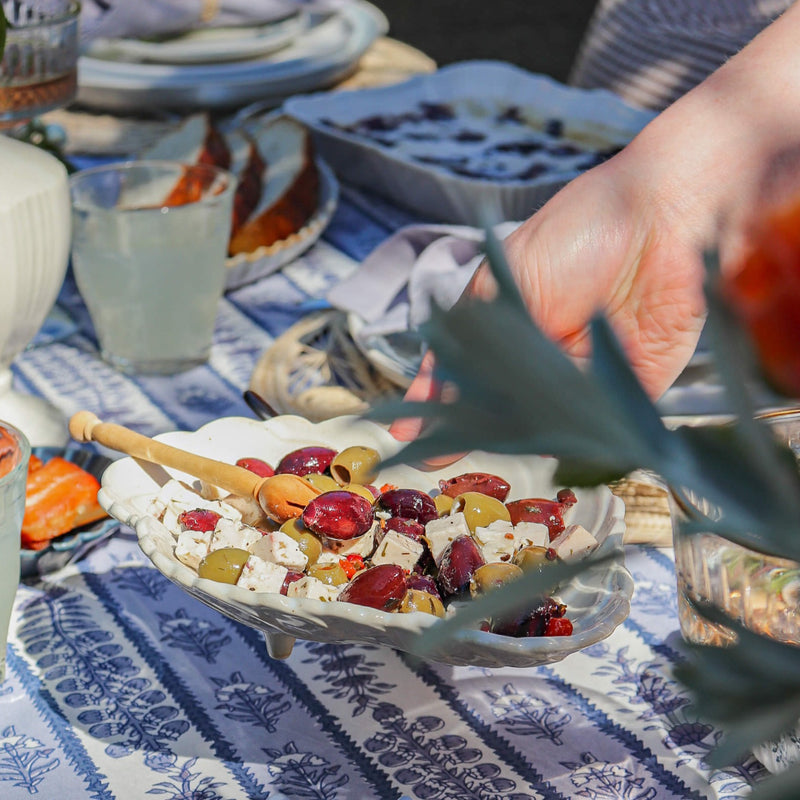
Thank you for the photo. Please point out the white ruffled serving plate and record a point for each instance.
(429, 164)
(597, 601)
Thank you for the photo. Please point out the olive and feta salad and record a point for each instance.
(323, 530)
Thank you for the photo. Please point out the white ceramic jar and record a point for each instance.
(35, 235)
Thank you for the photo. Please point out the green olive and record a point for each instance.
(417, 600)
(330, 573)
(480, 510)
(293, 527)
(531, 558)
(443, 503)
(356, 464)
(491, 576)
(308, 543)
(360, 489)
(322, 482)
(223, 565)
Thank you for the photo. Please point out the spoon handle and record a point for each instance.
(86, 427)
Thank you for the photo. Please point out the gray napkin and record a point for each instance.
(393, 289)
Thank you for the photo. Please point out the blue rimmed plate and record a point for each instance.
(74, 544)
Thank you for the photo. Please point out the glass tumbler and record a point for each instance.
(15, 451)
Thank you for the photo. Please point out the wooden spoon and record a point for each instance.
(273, 496)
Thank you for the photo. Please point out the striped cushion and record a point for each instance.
(650, 52)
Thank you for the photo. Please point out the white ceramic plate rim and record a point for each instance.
(361, 23)
(245, 268)
(128, 484)
(207, 46)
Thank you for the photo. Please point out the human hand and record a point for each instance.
(601, 244)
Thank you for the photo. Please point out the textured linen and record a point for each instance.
(650, 52)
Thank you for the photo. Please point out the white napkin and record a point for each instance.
(115, 19)
(393, 289)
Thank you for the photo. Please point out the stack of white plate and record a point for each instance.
(225, 68)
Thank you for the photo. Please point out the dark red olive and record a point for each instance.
(257, 466)
(532, 621)
(408, 527)
(481, 482)
(338, 515)
(381, 587)
(198, 519)
(306, 459)
(291, 576)
(424, 583)
(566, 497)
(538, 509)
(457, 566)
(409, 504)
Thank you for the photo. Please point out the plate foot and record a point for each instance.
(279, 645)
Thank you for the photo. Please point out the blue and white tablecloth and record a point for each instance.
(120, 685)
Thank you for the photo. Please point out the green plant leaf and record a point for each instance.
(615, 375)
(782, 786)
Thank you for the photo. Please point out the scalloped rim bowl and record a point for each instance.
(598, 601)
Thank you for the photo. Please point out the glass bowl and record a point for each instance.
(39, 68)
(762, 592)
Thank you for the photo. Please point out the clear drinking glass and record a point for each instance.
(149, 246)
(39, 68)
(14, 454)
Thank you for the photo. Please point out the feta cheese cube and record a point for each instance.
(192, 547)
(496, 541)
(531, 533)
(211, 492)
(262, 576)
(175, 497)
(360, 546)
(574, 542)
(279, 548)
(396, 548)
(172, 490)
(231, 533)
(440, 532)
(313, 589)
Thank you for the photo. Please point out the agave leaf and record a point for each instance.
(517, 393)
(782, 786)
(508, 598)
(770, 659)
(733, 357)
(737, 366)
(721, 467)
(758, 726)
(614, 373)
(498, 263)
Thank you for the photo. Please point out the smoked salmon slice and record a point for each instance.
(60, 496)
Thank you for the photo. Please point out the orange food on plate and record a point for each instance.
(8, 451)
(60, 497)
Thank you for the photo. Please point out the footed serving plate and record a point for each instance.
(598, 600)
